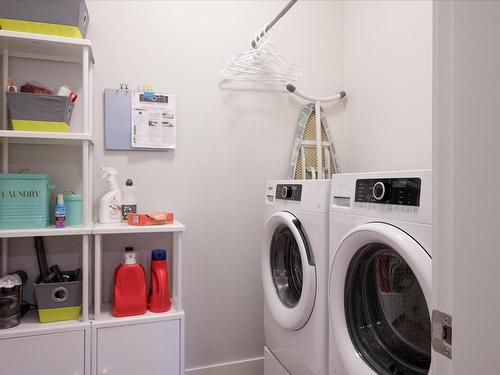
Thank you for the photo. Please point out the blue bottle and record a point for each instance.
(60, 212)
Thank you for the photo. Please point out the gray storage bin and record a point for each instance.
(58, 301)
(38, 112)
(53, 17)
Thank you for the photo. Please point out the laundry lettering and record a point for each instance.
(14, 194)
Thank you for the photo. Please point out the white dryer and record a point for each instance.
(381, 273)
(295, 262)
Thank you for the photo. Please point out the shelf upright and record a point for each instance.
(5, 142)
(86, 181)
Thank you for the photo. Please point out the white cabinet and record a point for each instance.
(57, 353)
(143, 348)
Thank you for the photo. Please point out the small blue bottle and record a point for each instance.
(60, 212)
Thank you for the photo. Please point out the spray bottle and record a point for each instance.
(110, 206)
(60, 212)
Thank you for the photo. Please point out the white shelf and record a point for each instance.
(46, 232)
(31, 325)
(107, 319)
(26, 137)
(125, 228)
(44, 47)
(95, 229)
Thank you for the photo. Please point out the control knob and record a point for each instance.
(379, 191)
(286, 191)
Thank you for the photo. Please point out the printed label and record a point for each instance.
(127, 209)
(115, 210)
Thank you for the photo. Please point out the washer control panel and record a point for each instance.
(390, 191)
(290, 192)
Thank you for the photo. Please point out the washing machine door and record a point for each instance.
(380, 290)
(288, 271)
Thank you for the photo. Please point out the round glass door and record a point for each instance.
(386, 312)
(380, 288)
(286, 266)
(288, 271)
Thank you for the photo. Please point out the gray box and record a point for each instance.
(59, 12)
(55, 295)
(39, 107)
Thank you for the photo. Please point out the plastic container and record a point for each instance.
(129, 295)
(74, 209)
(24, 200)
(11, 298)
(159, 293)
(59, 301)
(52, 17)
(129, 203)
(38, 112)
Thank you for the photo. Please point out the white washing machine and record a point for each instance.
(381, 273)
(295, 262)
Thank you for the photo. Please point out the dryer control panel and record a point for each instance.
(393, 191)
(291, 192)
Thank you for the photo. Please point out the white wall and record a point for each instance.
(388, 77)
(229, 142)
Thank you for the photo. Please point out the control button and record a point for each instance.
(286, 192)
(379, 191)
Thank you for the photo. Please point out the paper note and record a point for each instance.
(153, 120)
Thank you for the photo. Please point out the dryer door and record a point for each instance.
(380, 288)
(288, 271)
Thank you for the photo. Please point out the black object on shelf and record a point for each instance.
(42, 259)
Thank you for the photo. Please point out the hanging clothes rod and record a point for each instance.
(292, 89)
(273, 22)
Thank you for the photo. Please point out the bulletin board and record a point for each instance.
(139, 121)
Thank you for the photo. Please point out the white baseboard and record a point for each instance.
(251, 366)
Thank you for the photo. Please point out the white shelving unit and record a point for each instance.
(98, 343)
(44, 47)
(46, 232)
(32, 326)
(167, 326)
(99, 230)
(74, 51)
(47, 138)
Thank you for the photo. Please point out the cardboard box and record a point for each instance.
(154, 218)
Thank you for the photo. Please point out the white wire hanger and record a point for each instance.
(263, 63)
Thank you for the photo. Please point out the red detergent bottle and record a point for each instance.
(159, 294)
(130, 291)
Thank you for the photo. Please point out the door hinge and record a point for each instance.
(441, 333)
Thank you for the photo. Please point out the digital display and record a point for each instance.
(399, 183)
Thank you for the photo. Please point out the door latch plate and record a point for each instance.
(441, 333)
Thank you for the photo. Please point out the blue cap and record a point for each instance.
(159, 254)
